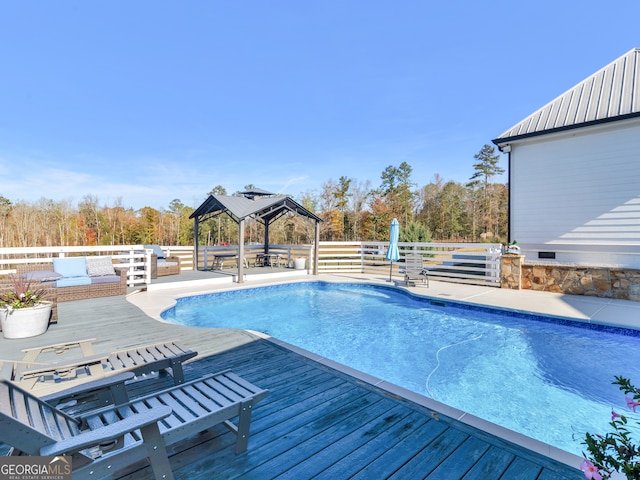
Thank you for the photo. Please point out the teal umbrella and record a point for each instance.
(393, 255)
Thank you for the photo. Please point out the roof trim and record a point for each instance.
(502, 141)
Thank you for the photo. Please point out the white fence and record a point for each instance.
(476, 263)
(135, 258)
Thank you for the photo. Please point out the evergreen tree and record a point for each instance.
(341, 194)
(486, 168)
(397, 189)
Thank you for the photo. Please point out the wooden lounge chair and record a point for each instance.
(35, 374)
(103, 441)
(414, 270)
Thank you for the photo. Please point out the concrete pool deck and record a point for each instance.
(607, 311)
(620, 313)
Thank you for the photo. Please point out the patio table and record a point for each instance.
(219, 258)
(267, 259)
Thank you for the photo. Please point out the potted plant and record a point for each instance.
(513, 248)
(616, 452)
(23, 310)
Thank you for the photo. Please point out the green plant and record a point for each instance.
(615, 451)
(20, 294)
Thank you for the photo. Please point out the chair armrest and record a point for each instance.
(107, 433)
(88, 387)
(62, 368)
(122, 270)
(31, 354)
(12, 369)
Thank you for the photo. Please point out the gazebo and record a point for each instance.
(265, 207)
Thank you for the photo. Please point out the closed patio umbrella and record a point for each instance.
(393, 255)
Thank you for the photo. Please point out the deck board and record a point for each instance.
(316, 422)
(320, 423)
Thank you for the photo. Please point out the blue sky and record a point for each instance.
(149, 101)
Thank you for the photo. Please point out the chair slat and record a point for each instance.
(20, 410)
(224, 388)
(125, 360)
(173, 420)
(203, 395)
(237, 388)
(163, 350)
(140, 356)
(178, 398)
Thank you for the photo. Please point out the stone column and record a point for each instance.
(511, 271)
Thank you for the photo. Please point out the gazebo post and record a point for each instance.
(195, 242)
(266, 237)
(316, 243)
(241, 251)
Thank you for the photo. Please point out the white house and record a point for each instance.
(574, 172)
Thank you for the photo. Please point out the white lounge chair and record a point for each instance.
(414, 270)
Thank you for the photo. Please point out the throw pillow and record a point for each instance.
(100, 266)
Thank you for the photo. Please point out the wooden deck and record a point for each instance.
(316, 422)
(320, 423)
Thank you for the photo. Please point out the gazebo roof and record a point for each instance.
(257, 192)
(610, 94)
(265, 208)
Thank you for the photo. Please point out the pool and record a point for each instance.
(547, 378)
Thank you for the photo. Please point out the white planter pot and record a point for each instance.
(299, 263)
(25, 322)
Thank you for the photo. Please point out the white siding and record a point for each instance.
(579, 191)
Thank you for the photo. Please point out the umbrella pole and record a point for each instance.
(390, 269)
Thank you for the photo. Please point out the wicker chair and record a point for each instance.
(162, 265)
(165, 266)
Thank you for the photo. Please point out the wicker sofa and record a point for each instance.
(105, 284)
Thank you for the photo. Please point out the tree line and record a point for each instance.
(351, 210)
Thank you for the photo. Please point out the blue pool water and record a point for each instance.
(546, 378)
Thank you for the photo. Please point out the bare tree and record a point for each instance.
(360, 193)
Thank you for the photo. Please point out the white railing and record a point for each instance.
(135, 258)
(476, 263)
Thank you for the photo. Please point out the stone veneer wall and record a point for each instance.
(511, 271)
(592, 281)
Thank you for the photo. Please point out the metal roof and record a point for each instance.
(612, 93)
(264, 209)
(256, 192)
